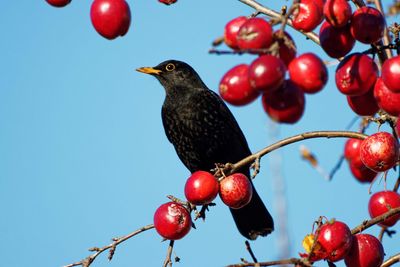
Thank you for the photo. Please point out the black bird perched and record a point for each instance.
(204, 132)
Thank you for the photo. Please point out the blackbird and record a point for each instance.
(204, 132)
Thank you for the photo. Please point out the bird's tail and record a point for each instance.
(253, 220)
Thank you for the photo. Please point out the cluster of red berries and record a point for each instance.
(283, 99)
(172, 220)
(357, 76)
(110, 18)
(333, 241)
(377, 153)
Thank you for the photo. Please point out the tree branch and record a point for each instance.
(293, 261)
(392, 260)
(111, 247)
(300, 137)
(368, 223)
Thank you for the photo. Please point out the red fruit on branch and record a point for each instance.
(267, 73)
(391, 74)
(287, 48)
(167, 2)
(356, 74)
(367, 25)
(235, 88)
(387, 99)
(382, 202)
(308, 72)
(286, 104)
(334, 240)
(364, 105)
(231, 31)
(352, 149)
(58, 3)
(236, 190)
(255, 33)
(337, 12)
(172, 221)
(361, 172)
(366, 251)
(307, 16)
(379, 151)
(110, 18)
(336, 42)
(201, 188)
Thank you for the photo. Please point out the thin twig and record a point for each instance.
(300, 137)
(111, 247)
(248, 247)
(168, 260)
(386, 36)
(294, 261)
(277, 16)
(391, 261)
(368, 223)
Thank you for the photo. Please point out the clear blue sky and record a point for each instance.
(84, 157)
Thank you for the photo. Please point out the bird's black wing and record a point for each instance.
(203, 131)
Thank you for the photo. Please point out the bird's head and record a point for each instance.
(174, 74)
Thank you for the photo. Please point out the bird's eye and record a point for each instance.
(170, 67)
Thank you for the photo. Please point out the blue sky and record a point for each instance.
(84, 157)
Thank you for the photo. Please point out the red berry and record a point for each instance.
(391, 74)
(231, 31)
(335, 240)
(379, 151)
(267, 73)
(320, 3)
(366, 251)
(58, 3)
(307, 17)
(286, 104)
(382, 202)
(201, 188)
(337, 12)
(167, 2)
(287, 48)
(110, 18)
(387, 99)
(308, 72)
(236, 190)
(172, 221)
(255, 33)
(336, 42)
(364, 105)
(352, 149)
(356, 74)
(235, 88)
(361, 172)
(367, 25)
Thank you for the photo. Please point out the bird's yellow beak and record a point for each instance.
(149, 70)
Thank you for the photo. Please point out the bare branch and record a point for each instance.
(293, 261)
(111, 247)
(368, 223)
(300, 137)
(391, 261)
(168, 260)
